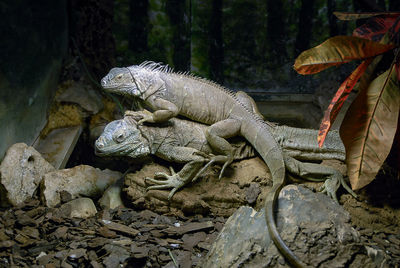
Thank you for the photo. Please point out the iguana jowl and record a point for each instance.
(169, 94)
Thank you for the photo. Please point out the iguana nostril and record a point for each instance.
(99, 144)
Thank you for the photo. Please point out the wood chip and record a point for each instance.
(190, 227)
(120, 228)
(106, 232)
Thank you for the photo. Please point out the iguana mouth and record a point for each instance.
(105, 86)
(128, 147)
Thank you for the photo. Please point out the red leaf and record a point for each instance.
(338, 100)
(375, 28)
(337, 50)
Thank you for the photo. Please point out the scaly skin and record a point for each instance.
(179, 141)
(169, 94)
(184, 142)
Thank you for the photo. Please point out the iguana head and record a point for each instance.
(122, 138)
(135, 80)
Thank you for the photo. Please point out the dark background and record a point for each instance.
(243, 44)
(240, 43)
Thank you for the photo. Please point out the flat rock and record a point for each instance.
(81, 180)
(20, 173)
(315, 228)
(58, 145)
(245, 182)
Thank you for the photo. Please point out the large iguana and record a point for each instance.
(184, 141)
(170, 94)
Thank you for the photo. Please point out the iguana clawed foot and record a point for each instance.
(165, 181)
(227, 160)
(331, 186)
(141, 116)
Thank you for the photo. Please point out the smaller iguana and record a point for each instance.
(184, 141)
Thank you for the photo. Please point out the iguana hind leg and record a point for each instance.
(216, 136)
(251, 105)
(248, 102)
(317, 172)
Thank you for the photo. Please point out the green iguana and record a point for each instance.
(184, 141)
(179, 141)
(170, 94)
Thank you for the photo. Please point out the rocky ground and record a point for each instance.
(33, 235)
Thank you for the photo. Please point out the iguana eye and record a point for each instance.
(120, 137)
(119, 76)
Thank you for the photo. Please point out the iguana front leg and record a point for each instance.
(193, 160)
(176, 180)
(164, 110)
(316, 172)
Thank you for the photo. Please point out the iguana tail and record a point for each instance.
(273, 231)
(259, 135)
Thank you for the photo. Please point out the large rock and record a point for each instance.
(245, 183)
(21, 171)
(81, 180)
(315, 228)
(111, 198)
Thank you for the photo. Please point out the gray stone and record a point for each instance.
(21, 171)
(81, 180)
(79, 208)
(311, 224)
(112, 196)
(87, 98)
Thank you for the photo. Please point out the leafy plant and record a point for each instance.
(370, 123)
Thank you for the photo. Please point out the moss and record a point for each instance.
(61, 116)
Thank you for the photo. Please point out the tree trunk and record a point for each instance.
(179, 14)
(216, 53)
(305, 27)
(276, 32)
(138, 25)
